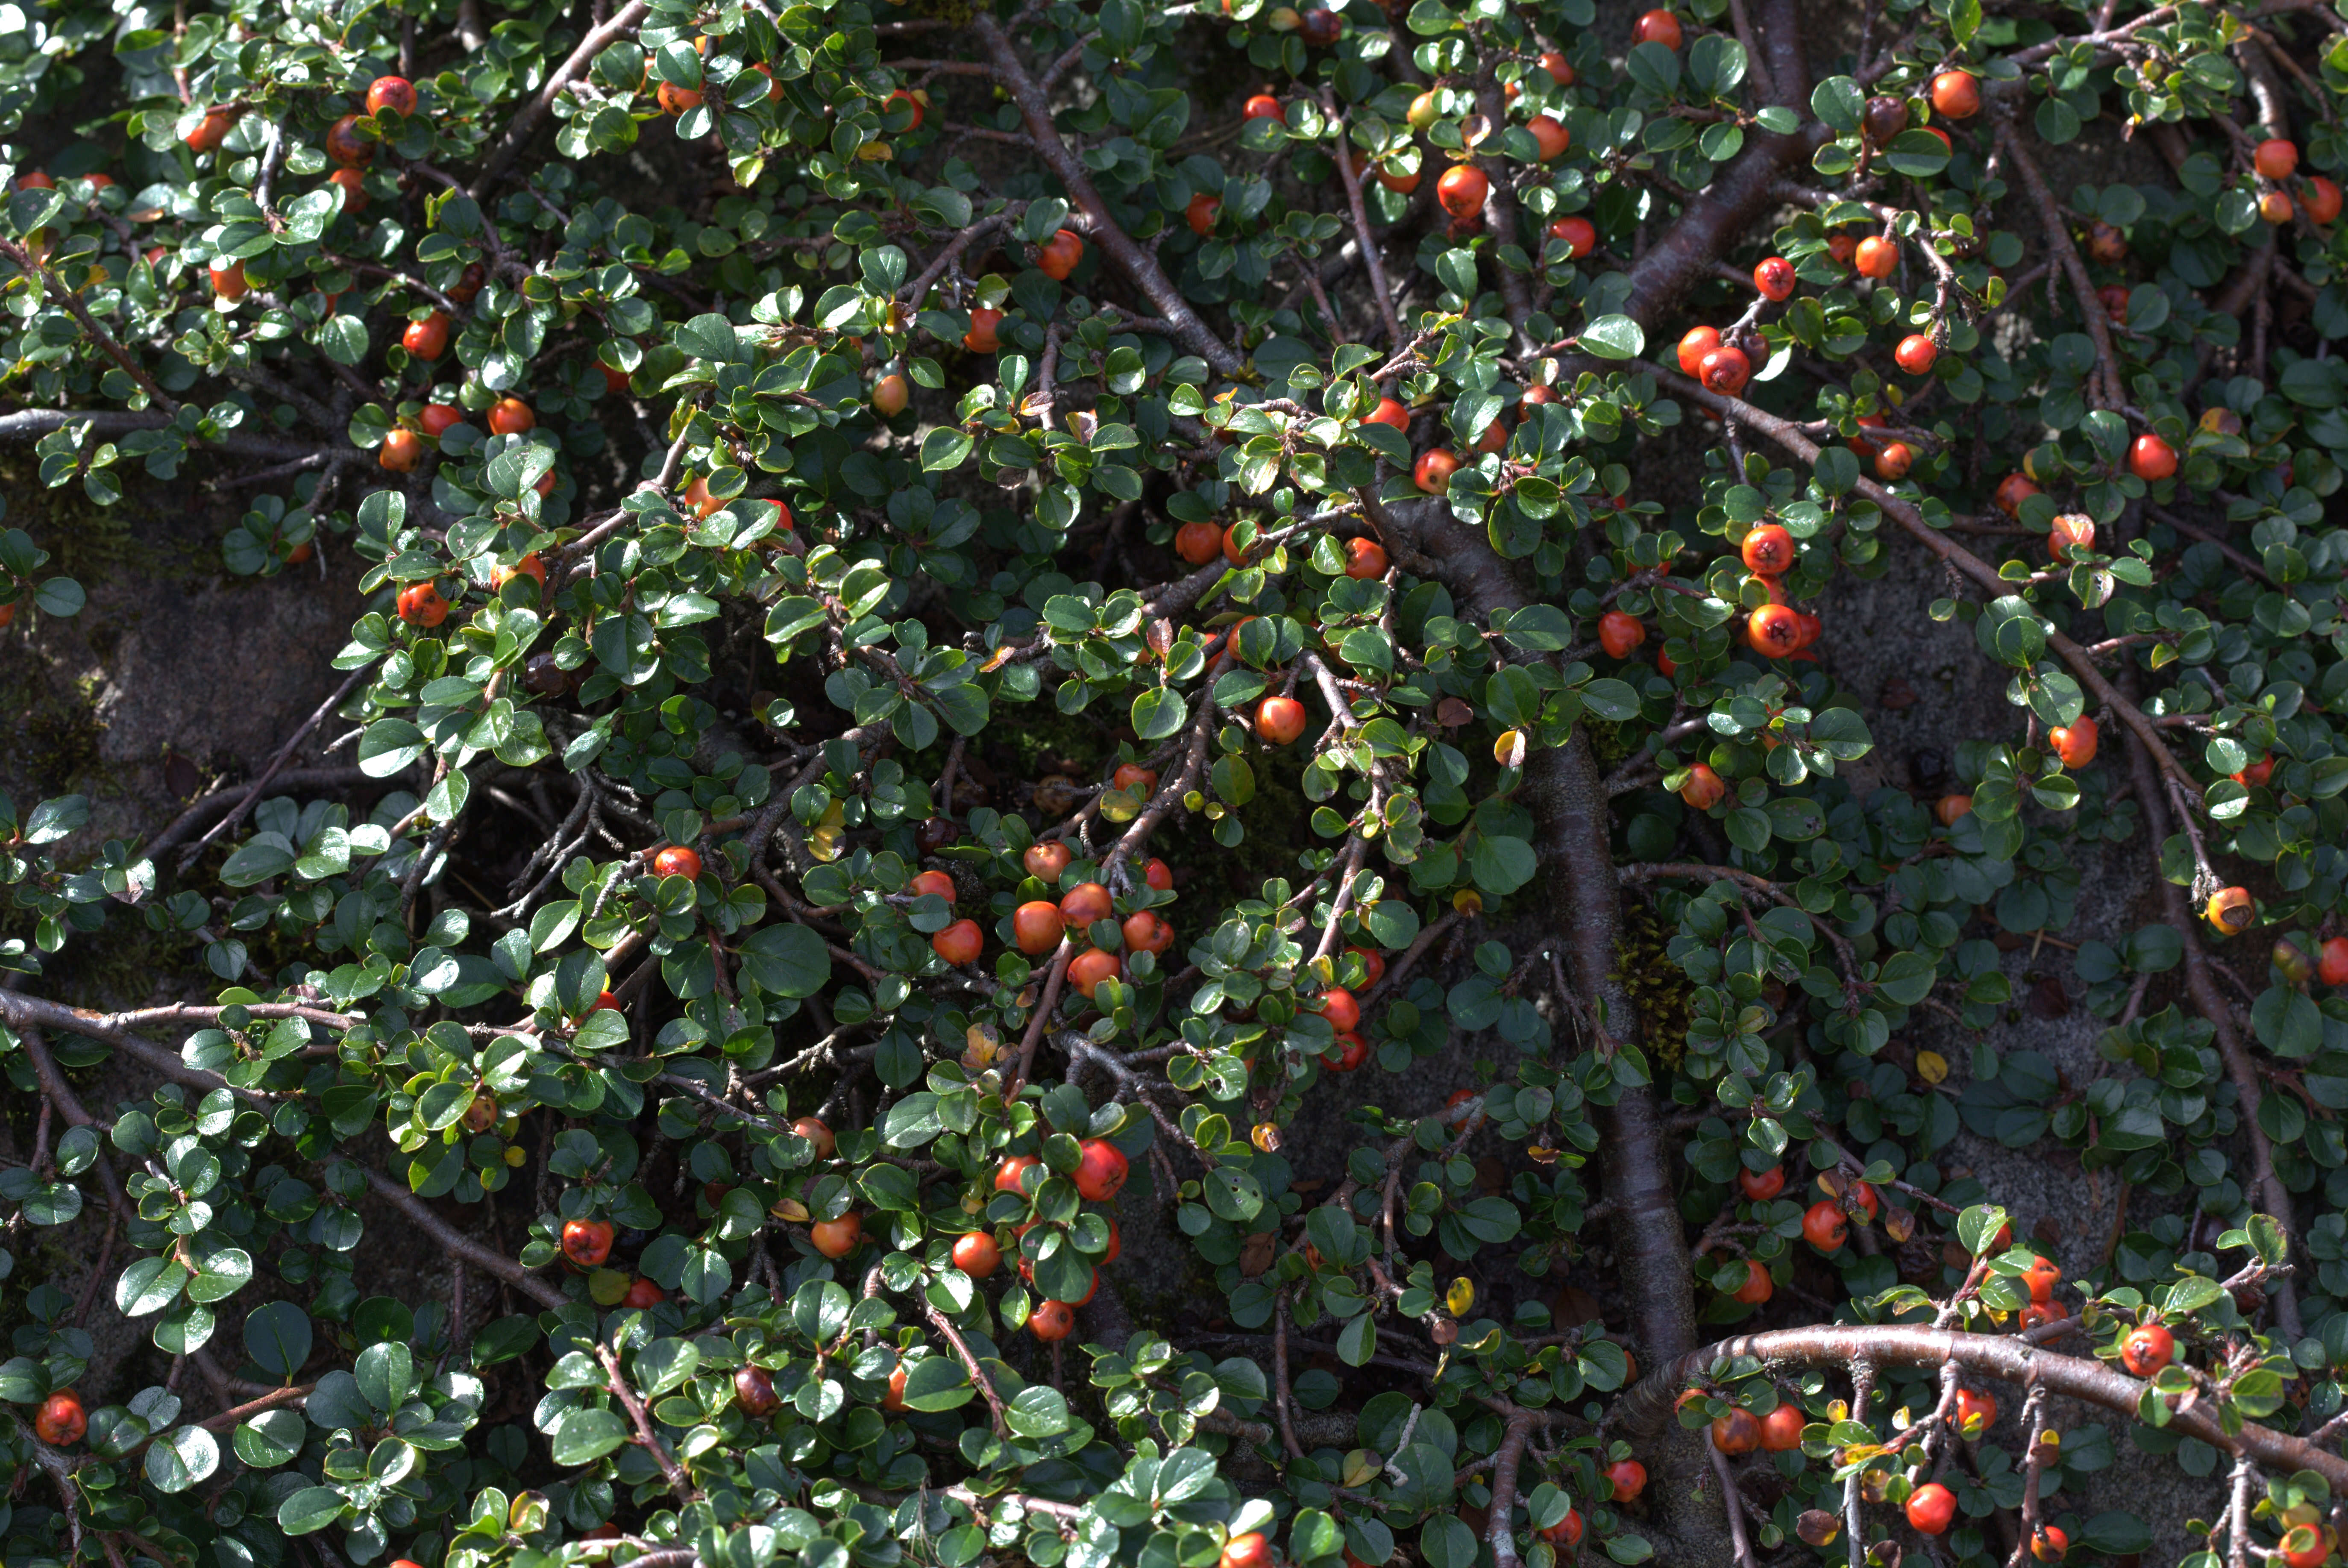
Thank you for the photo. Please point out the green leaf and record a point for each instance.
(786, 961)
(271, 1438)
(584, 1436)
(664, 1364)
(1160, 713)
(937, 1383)
(945, 449)
(149, 1285)
(1039, 1411)
(1614, 337)
(178, 1460)
(310, 1511)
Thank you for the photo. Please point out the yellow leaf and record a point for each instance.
(607, 1286)
(1931, 1067)
(1460, 1297)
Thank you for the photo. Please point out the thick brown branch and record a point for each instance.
(1137, 264)
(1710, 223)
(2000, 1356)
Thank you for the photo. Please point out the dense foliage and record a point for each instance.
(743, 419)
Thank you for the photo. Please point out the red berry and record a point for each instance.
(2151, 459)
(1760, 1185)
(1781, 1430)
(1051, 1320)
(1774, 278)
(1280, 720)
(754, 1390)
(400, 453)
(1198, 543)
(2305, 1546)
(1084, 904)
(1060, 254)
(1931, 1508)
(396, 94)
(837, 1238)
(1657, 28)
(1694, 344)
(1703, 792)
(1263, 106)
(1146, 931)
(1433, 472)
(587, 1243)
(2332, 968)
(960, 942)
(60, 1420)
(1618, 632)
(1824, 1227)
(1916, 354)
(976, 1254)
(1956, 95)
(345, 145)
(1100, 1170)
(676, 861)
(1724, 371)
(2230, 909)
(2148, 1349)
(1739, 1431)
(2073, 743)
(1581, 235)
(1775, 630)
(1629, 1478)
(422, 605)
(2012, 491)
(1462, 190)
(1037, 927)
(1769, 551)
(1090, 967)
(1877, 257)
(2274, 158)
(1252, 1550)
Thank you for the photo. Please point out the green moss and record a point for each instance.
(1658, 987)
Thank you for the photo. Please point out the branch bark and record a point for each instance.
(1710, 223)
(2006, 1359)
(2201, 987)
(518, 131)
(1912, 522)
(1140, 267)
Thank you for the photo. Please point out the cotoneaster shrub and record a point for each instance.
(741, 418)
